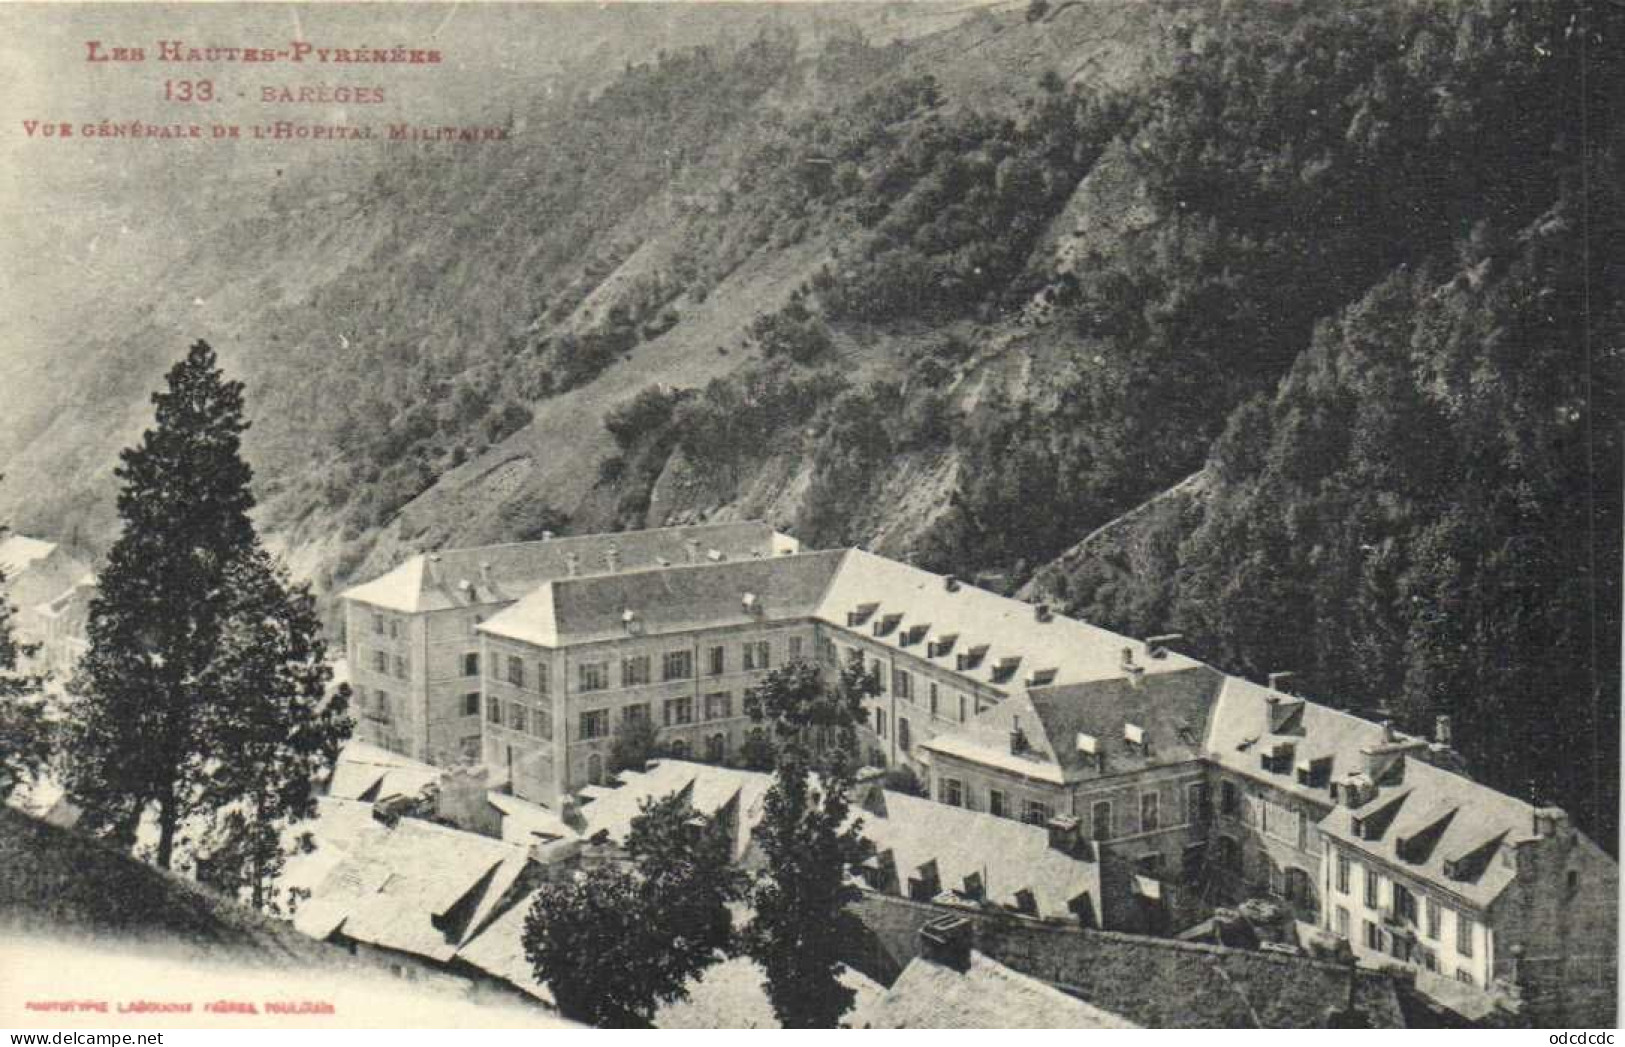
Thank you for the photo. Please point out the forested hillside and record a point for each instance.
(968, 291)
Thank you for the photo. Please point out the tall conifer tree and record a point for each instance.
(204, 692)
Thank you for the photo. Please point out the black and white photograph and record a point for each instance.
(824, 515)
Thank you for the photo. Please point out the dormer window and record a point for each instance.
(973, 657)
(1041, 677)
(913, 634)
(1133, 734)
(1005, 668)
(887, 623)
(941, 645)
(861, 614)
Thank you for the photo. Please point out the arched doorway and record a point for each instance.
(716, 748)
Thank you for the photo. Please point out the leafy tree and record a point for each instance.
(204, 688)
(802, 926)
(25, 742)
(617, 941)
(636, 742)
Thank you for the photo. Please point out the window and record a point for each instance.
(1193, 861)
(1404, 903)
(903, 739)
(1435, 919)
(1430, 960)
(961, 708)
(378, 624)
(679, 749)
(542, 726)
(594, 724)
(516, 671)
(635, 714)
(1464, 934)
(1341, 924)
(1036, 812)
(1373, 936)
(1465, 976)
(1342, 874)
(1230, 854)
(544, 679)
(952, 792)
(880, 722)
(1296, 883)
(394, 629)
(716, 747)
(933, 693)
(794, 652)
(1149, 813)
(494, 711)
(1371, 887)
(471, 703)
(997, 803)
(400, 667)
(595, 769)
(1573, 881)
(903, 684)
(755, 655)
(1196, 805)
(635, 670)
(380, 662)
(594, 676)
(679, 711)
(719, 706)
(677, 665)
(516, 718)
(1229, 799)
(471, 663)
(1100, 818)
(717, 661)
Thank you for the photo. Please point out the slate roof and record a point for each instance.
(707, 790)
(682, 598)
(18, 553)
(1010, 629)
(1171, 709)
(420, 584)
(499, 950)
(1440, 817)
(415, 887)
(1008, 855)
(987, 995)
(1238, 733)
(368, 772)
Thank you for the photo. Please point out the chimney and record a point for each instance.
(1277, 679)
(946, 941)
(1018, 738)
(1133, 670)
(951, 583)
(1158, 645)
(1041, 612)
(1549, 822)
(691, 549)
(434, 568)
(612, 558)
(485, 577)
(572, 564)
(974, 889)
(547, 536)
(1441, 730)
(1064, 835)
(1279, 712)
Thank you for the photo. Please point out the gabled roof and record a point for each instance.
(1009, 629)
(368, 772)
(1424, 817)
(707, 790)
(678, 599)
(454, 578)
(18, 553)
(986, 995)
(414, 887)
(499, 950)
(1238, 732)
(1170, 710)
(1008, 855)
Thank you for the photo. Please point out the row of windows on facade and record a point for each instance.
(383, 662)
(1403, 908)
(636, 669)
(956, 793)
(900, 682)
(675, 712)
